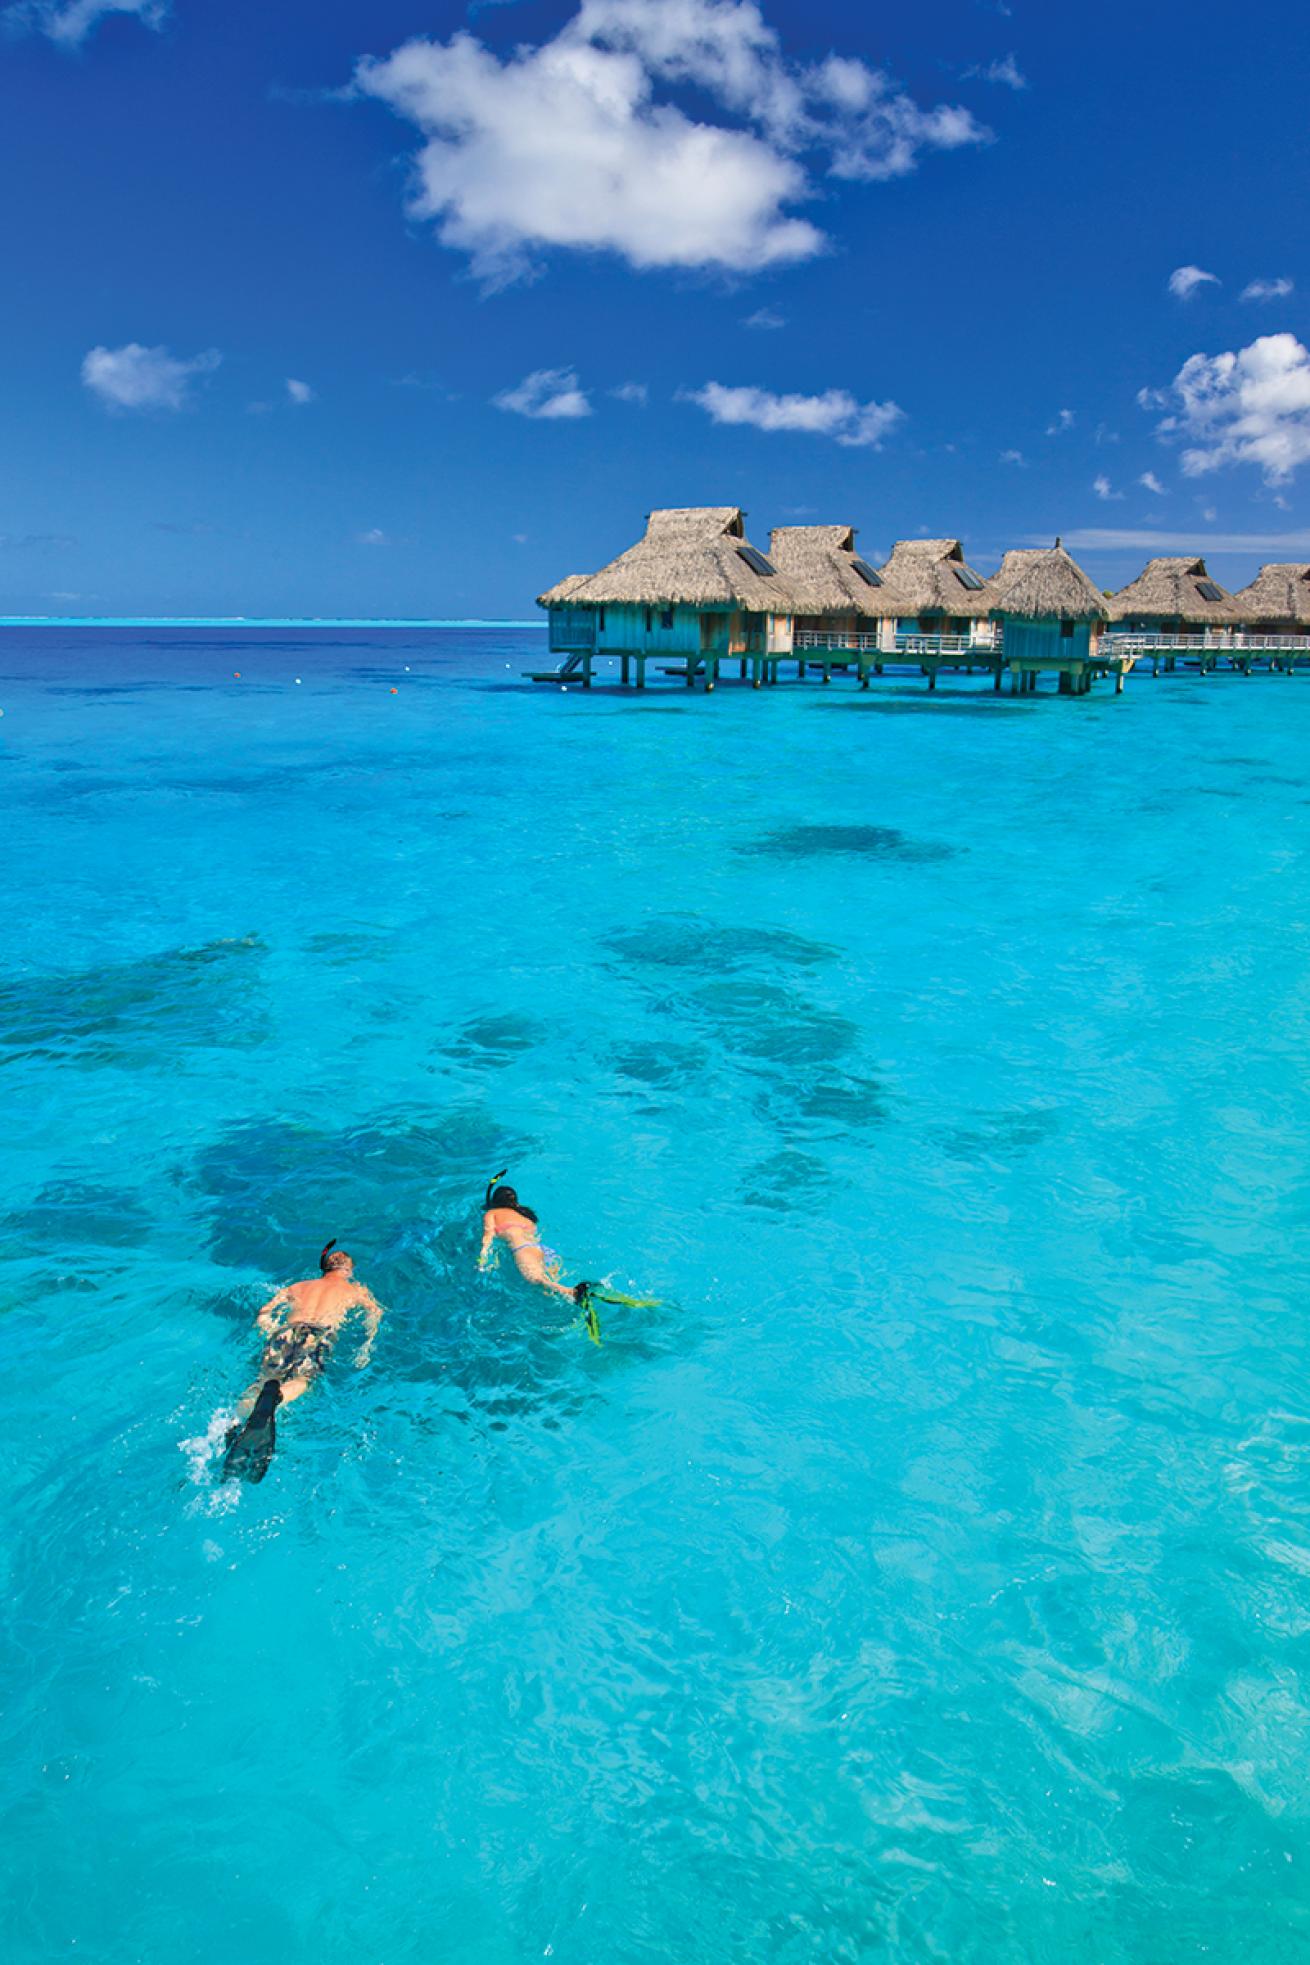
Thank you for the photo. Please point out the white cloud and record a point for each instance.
(1005, 70)
(547, 392)
(133, 377)
(1013, 457)
(1106, 539)
(1104, 489)
(835, 413)
(632, 392)
(1064, 420)
(1251, 407)
(1184, 281)
(765, 318)
(1152, 398)
(1266, 290)
(70, 21)
(299, 392)
(375, 536)
(1151, 483)
(575, 144)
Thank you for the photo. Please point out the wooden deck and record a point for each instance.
(863, 656)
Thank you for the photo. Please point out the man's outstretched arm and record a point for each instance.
(373, 1315)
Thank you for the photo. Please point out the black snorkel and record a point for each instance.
(324, 1254)
(492, 1184)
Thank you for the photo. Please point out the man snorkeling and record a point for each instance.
(298, 1348)
(507, 1219)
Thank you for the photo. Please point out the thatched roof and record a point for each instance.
(1279, 592)
(819, 563)
(1169, 590)
(692, 557)
(562, 590)
(922, 574)
(1043, 583)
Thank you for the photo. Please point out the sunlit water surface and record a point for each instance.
(927, 1579)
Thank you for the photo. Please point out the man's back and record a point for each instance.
(326, 1300)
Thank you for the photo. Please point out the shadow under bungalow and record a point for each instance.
(696, 598)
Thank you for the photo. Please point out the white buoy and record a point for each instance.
(297, 681)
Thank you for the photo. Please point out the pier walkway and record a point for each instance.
(1236, 648)
(863, 656)
(815, 652)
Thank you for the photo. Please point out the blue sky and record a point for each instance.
(974, 268)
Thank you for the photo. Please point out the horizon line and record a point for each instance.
(262, 621)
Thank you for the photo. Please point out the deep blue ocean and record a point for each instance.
(926, 1579)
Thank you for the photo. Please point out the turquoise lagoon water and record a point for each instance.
(927, 1579)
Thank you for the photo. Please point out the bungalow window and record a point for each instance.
(666, 617)
(1066, 630)
(600, 623)
(648, 620)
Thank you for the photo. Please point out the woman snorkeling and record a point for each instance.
(505, 1218)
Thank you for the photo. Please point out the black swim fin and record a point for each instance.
(250, 1447)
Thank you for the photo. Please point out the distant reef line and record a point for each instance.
(255, 621)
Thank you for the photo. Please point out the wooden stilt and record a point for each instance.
(623, 671)
(641, 671)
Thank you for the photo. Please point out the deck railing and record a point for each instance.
(572, 627)
(1211, 641)
(965, 645)
(839, 642)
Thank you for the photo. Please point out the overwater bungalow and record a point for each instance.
(1051, 616)
(943, 604)
(843, 605)
(693, 589)
(1174, 600)
(1277, 602)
